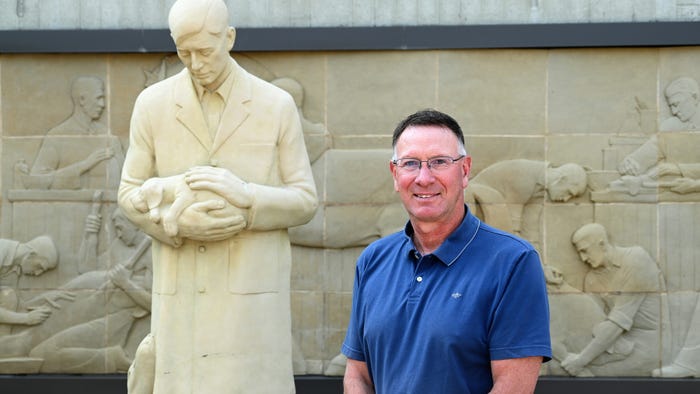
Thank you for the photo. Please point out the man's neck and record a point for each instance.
(428, 236)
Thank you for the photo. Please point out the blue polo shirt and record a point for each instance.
(433, 323)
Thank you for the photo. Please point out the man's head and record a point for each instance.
(126, 231)
(682, 96)
(203, 39)
(591, 242)
(41, 257)
(88, 95)
(565, 182)
(430, 167)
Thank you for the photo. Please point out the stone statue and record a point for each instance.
(683, 98)
(93, 314)
(29, 258)
(221, 303)
(628, 284)
(510, 193)
(573, 317)
(59, 165)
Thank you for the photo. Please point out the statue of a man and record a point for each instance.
(221, 310)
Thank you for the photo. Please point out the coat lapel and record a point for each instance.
(189, 110)
(237, 108)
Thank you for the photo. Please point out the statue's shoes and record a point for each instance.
(674, 371)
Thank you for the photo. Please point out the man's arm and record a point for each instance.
(357, 380)
(516, 375)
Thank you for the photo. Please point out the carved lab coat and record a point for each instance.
(221, 310)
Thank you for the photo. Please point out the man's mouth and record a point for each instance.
(424, 196)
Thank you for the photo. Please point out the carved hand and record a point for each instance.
(222, 182)
(685, 185)
(52, 297)
(628, 166)
(211, 220)
(119, 276)
(37, 315)
(98, 156)
(93, 223)
(572, 364)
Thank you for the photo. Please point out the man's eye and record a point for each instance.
(439, 162)
(411, 163)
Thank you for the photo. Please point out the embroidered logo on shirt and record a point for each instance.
(456, 295)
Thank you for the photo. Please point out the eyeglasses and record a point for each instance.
(437, 163)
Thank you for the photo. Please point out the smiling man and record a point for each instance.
(450, 304)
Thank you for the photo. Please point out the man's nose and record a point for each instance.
(424, 174)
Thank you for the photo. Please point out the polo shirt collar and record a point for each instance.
(455, 244)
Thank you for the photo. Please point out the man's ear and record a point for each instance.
(231, 37)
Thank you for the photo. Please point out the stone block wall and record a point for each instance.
(525, 113)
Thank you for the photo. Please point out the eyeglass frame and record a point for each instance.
(427, 162)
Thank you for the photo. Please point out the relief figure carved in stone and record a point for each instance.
(652, 169)
(94, 314)
(24, 258)
(510, 194)
(78, 153)
(627, 285)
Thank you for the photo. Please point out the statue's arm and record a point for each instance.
(139, 166)
(294, 202)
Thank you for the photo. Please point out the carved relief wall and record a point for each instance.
(560, 140)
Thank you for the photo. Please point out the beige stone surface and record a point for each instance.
(592, 107)
(368, 92)
(591, 92)
(494, 93)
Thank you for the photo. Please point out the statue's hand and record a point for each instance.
(119, 275)
(685, 185)
(628, 166)
(572, 364)
(37, 315)
(98, 156)
(210, 220)
(222, 182)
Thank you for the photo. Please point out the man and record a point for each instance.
(683, 98)
(629, 285)
(221, 309)
(450, 304)
(63, 144)
(520, 185)
(29, 258)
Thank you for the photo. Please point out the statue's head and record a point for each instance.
(566, 182)
(88, 94)
(41, 256)
(203, 39)
(591, 242)
(683, 96)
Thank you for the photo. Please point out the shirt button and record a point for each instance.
(214, 162)
(202, 248)
(419, 279)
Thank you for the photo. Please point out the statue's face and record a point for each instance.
(591, 251)
(683, 105)
(125, 231)
(206, 56)
(93, 102)
(33, 264)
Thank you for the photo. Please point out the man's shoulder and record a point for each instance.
(503, 239)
